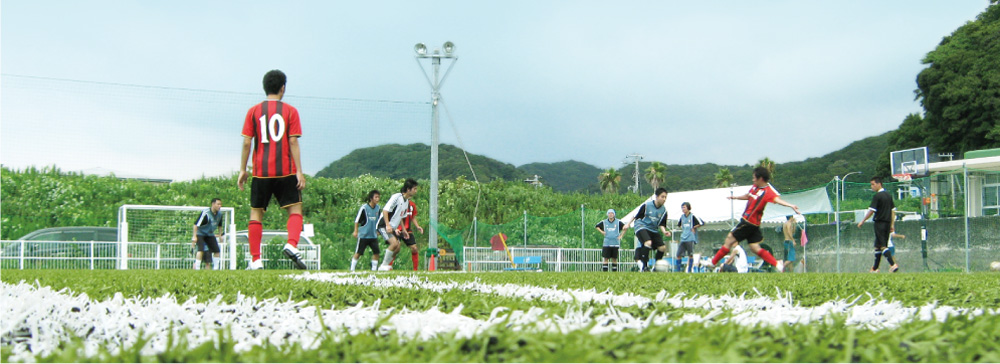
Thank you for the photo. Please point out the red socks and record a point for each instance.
(294, 227)
(718, 256)
(416, 260)
(255, 230)
(763, 254)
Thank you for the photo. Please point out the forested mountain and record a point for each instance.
(568, 176)
(413, 161)
(401, 161)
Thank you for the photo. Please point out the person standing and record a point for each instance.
(613, 230)
(410, 239)
(368, 215)
(884, 211)
(788, 229)
(650, 217)
(206, 236)
(761, 193)
(391, 224)
(689, 225)
(272, 128)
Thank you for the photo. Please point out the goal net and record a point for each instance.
(159, 237)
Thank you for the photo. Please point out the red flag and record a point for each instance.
(804, 238)
(499, 242)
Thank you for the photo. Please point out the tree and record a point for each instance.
(960, 88)
(655, 174)
(610, 180)
(723, 178)
(769, 164)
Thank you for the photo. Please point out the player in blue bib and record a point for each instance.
(365, 225)
(612, 229)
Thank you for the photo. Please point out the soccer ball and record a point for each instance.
(662, 266)
(995, 266)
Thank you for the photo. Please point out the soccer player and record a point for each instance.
(368, 215)
(409, 238)
(885, 223)
(391, 225)
(760, 194)
(788, 229)
(277, 166)
(652, 215)
(205, 236)
(613, 230)
(689, 225)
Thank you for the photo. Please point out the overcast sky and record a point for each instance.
(726, 82)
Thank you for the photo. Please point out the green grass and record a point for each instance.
(956, 340)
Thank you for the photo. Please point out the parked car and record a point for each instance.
(45, 242)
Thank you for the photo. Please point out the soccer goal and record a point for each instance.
(159, 237)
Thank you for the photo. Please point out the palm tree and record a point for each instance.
(610, 180)
(655, 174)
(769, 164)
(723, 178)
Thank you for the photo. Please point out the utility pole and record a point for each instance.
(634, 158)
(435, 58)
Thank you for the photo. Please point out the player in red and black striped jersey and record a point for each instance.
(760, 194)
(272, 128)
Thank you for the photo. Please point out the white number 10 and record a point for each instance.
(275, 128)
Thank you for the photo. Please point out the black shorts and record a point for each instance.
(882, 234)
(411, 241)
(208, 242)
(686, 249)
(646, 235)
(609, 252)
(747, 231)
(367, 243)
(284, 189)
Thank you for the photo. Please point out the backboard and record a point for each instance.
(910, 161)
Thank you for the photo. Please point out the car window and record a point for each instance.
(107, 235)
(79, 235)
(48, 236)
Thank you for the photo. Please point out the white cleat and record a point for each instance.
(384, 268)
(293, 253)
(780, 266)
(255, 265)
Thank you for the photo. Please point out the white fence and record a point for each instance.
(554, 259)
(19, 254)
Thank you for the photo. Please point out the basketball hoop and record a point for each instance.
(903, 177)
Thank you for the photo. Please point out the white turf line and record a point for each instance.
(36, 319)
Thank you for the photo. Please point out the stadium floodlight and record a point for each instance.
(436, 83)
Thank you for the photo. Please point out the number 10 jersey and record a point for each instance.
(270, 123)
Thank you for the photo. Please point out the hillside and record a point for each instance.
(412, 161)
(400, 161)
(568, 176)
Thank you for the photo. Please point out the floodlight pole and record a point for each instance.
(435, 84)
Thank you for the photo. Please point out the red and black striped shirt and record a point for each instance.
(759, 198)
(270, 123)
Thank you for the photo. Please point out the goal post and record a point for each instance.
(156, 227)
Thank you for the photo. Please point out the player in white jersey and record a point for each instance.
(391, 225)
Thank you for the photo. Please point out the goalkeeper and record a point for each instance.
(206, 234)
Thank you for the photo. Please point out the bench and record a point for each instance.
(522, 263)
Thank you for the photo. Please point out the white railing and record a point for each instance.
(555, 259)
(18, 254)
